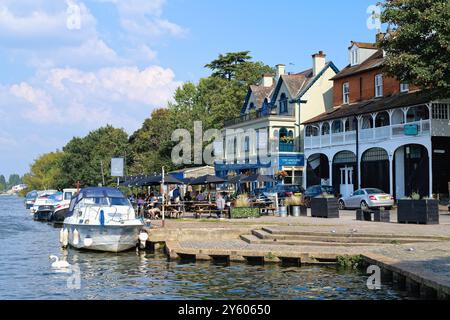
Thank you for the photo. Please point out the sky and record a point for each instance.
(68, 67)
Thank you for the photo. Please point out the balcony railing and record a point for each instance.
(287, 147)
(259, 114)
(367, 135)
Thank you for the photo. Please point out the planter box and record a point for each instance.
(418, 211)
(303, 211)
(359, 215)
(382, 216)
(324, 208)
(242, 213)
(295, 211)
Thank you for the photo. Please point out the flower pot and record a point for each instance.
(282, 211)
(295, 211)
(418, 211)
(324, 208)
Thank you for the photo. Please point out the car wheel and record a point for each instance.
(341, 205)
(364, 206)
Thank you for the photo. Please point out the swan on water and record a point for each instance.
(59, 263)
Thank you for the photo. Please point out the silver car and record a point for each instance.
(367, 198)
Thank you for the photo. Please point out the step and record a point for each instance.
(330, 238)
(251, 239)
(355, 235)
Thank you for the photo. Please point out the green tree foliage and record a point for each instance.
(418, 45)
(14, 180)
(83, 157)
(44, 172)
(3, 185)
(213, 100)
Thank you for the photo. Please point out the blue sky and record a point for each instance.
(128, 56)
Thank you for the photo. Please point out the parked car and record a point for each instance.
(285, 191)
(315, 191)
(367, 198)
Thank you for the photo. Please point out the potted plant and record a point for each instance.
(294, 204)
(325, 206)
(242, 208)
(416, 210)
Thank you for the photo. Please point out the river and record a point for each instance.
(26, 273)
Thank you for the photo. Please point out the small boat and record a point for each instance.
(44, 211)
(62, 207)
(30, 198)
(41, 200)
(101, 219)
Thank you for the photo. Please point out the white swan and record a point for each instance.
(59, 264)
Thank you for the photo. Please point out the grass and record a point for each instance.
(347, 261)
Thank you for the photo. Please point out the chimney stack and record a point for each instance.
(318, 62)
(267, 80)
(280, 70)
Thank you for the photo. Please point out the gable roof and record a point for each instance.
(364, 45)
(260, 93)
(374, 61)
(298, 84)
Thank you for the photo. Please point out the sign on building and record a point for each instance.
(117, 167)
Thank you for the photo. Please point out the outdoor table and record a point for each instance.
(174, 209)
(200, 207)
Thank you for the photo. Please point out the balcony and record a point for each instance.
(286, 147)
(259, 114)
(395, 131)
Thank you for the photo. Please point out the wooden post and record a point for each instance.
(163, 199)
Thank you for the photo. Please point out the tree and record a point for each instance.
(418, 45)
(225, 66)
(3, 186)
(14, 180)
(44, 172)
(83, 157)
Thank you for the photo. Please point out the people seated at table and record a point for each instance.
(200, 197)
(188, 196)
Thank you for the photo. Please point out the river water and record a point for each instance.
(26, 273)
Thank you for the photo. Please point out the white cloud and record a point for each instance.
(123, 96)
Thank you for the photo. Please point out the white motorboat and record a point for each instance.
(101, 219)
(62, 207)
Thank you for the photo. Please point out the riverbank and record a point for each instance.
(416, 258)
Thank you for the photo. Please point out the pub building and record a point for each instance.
(381, 133)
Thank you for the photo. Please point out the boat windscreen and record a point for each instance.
(119, 201)
(112, 193)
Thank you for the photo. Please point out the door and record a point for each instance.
(346, 186)
(355, 200)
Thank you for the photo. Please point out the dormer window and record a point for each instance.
(354, 57)
(378, 85)
(404, 87)
(346, 93)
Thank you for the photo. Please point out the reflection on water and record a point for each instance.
(25, 272)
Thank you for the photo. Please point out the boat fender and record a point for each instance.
(143, 237)
(61, 235)
(88, 241)
(65, 241)
(76, 237)
(102, 217)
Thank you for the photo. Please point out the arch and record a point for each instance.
(311, 131)
(337, 126)
(411, 170)
(375, 169)
(342, 160)
(398, 117)
(382, 119)
(367, 122)
(252, 106)
(325, 129)
(283, 133)
(417, 113)
(283, 103)
(318, 169)
(351, 124)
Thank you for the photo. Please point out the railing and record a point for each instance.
(287, 147)
(367, 135)
(256, 115)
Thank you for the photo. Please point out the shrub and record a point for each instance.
(242, 213)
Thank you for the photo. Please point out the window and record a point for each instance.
(440, 111)
(283, 104)
(404, 87)
(354, 56)
(379, 85)
(346, 93)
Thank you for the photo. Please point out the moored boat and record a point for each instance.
(62, 207)
(101, 219)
